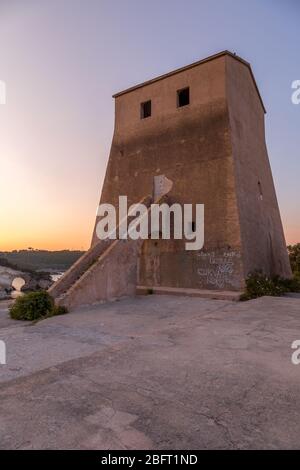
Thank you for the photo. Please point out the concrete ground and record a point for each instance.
(154, 372)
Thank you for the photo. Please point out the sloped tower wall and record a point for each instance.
(214, 152)
(262, 237)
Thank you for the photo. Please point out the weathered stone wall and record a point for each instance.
(263, 242)
(192, 147)
(162, 264)
(113, 276)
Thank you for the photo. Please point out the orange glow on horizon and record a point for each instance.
(64, 238)
(70, 237)
(292, 237)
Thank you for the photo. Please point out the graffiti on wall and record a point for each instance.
(218, 267)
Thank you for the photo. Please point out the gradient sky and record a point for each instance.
(63, 59)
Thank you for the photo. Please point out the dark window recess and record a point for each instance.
(260, 190)
(146, 109)
(183, 97)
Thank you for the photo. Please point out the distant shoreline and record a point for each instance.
(39, 260)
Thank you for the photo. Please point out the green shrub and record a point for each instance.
(59, 310)
(291, 285)
(34, 306)
(258, 284)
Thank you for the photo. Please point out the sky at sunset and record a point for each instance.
(62, 60)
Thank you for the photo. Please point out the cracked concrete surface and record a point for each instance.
(154, 372)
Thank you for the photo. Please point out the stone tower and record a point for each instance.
(202, 127)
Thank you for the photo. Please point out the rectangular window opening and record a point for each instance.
(260, 190)
(146, 109)
(183, 97)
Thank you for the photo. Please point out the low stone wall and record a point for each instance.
(78, 268)
(112, 277)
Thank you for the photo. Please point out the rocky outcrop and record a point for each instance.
(37, 283)
(33, 281)
(7, 275)
(5, 293)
